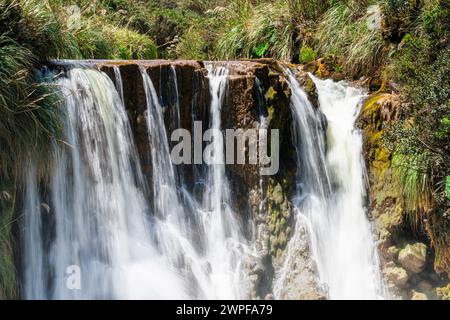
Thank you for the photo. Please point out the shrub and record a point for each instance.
(192, 45)
(32, 24)
(92, 41)
(307, 54)
(128, 44)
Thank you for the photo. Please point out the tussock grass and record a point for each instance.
(8, 280)
(416, 185)
(258, 31)
(29, 109)
(343, 33)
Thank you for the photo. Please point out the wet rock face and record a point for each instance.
(385, 204)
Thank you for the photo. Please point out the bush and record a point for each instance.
(192, 45)
(128, 44)
(420, 64)
(92, 42)
(307, 54)
(33, 25)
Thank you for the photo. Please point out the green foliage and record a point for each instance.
(307, 54)
(8, 281)
(33, 25)
(420, 64)
(443, 131)
(192, 45)
(343, 33)
(423, 76)
(29, 109)
(260, 50)
(399, 17)
(92, 41)
(258, 31)
(308, 10)
(128, 44)
(412, 171)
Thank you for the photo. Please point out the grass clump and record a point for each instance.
(193, 45)
(346, 33)
(128, 44)
(265, 30)
(8, 278)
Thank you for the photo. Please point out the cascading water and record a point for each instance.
(331, 190)
(118, 82)
(98, 212)
(225, 243)
(99, 220)
(207, 252)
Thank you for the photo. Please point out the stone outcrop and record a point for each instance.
(398, 276)
(415, 295)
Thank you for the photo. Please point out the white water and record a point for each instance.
(97, 205)
(224, 242)
(331, 190)
(208, 257)
(101, 219)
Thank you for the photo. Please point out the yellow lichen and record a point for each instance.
(270, 94)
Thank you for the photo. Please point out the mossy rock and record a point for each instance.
(413, 257)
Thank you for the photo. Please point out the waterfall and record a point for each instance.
(331, 190)
(118, 82)
(97, 219)
(225, 243)
(207, 253)
(128, 235)
(124, 237)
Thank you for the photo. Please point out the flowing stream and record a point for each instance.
(101, 229)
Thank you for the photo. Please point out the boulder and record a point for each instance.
(392, 252)
(413, 257)
(415, 295)
(397, 275)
